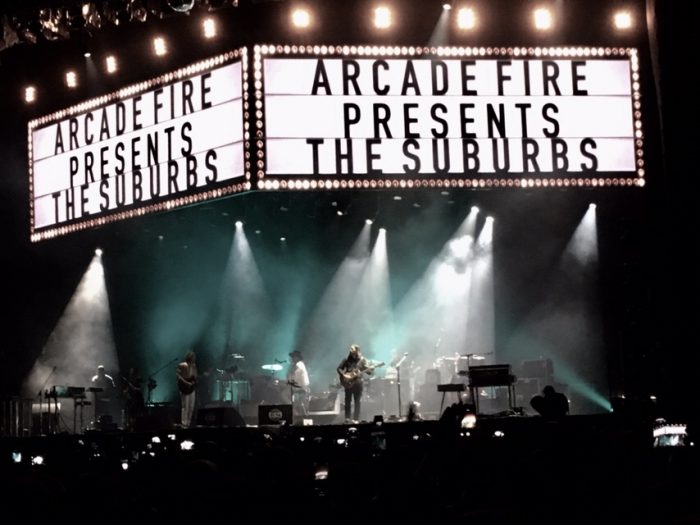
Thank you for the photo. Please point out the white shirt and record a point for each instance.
(299, 375)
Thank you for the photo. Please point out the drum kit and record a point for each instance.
(233, 386)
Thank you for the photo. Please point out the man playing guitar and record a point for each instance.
(350, 372)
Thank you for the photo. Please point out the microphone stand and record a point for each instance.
(398, 380)
(41, 397)
(150, 377)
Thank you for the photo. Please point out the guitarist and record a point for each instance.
(350, 371)
(186, 374)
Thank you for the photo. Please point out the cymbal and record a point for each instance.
(274, 367)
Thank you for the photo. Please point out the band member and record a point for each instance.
(105, 402)
(186, 374)
(350, 371)
(298, 378)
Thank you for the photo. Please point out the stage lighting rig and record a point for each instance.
(181, 6)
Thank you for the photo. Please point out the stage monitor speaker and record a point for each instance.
(275, 415)
(327, 403)
(219, 417)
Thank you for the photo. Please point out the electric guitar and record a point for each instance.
(187, 386)
(349, 379)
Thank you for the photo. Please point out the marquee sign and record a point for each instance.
(160, 144)
(372, 117)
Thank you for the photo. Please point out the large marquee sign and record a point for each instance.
(372, 117)
(164, 143)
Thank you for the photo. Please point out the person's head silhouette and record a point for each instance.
(551, 404)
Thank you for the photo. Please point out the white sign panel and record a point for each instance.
(402, 116)
(177, 141)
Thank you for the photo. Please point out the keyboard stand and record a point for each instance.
(449, 387)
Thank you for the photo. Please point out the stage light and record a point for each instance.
(71, 79)
(111, 64)
(76, 16)
(30, 94)
(475, 209)
(466, 18)
(283, 239)
(622, 20)
(92, 16)
(592, 206)
(159, 46)
(382, 230)
(446, 6)
(301, 18)
(98, 252)
(137, 11)
(469, 420)
(239, 224)
(181, 6)
(186, 445)
(543, 19)
(37, 460)
(209, 27)
(382, 17)
(87, 54)
(368, 221)
(125, 465)
(115, 12)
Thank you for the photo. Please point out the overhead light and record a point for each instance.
(111, 64)
(71, 79)
(623, 20)
(543, 18)
(159, 46)
(209, 27)
(181, 6)
(382, 17)
(30, 94)
(301, 18)
(137, 11)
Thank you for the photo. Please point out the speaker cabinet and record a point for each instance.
(219, 417)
